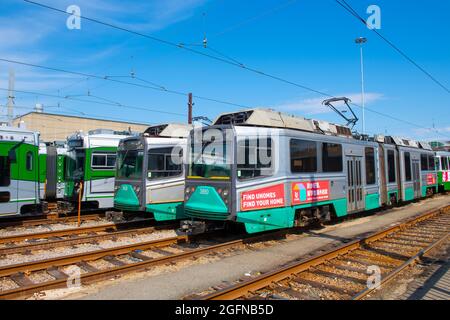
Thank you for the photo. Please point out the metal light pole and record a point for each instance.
(361, 41)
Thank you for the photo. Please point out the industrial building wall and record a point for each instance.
(57, 127)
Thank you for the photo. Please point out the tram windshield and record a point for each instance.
(210, 156)
(75, 164)
(129, 164)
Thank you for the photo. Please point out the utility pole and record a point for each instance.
(361, 41)
(10, 112)
(190, 108)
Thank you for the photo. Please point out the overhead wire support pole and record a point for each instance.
(190, 108)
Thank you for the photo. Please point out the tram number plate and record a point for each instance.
(310, 191)
(268, 197)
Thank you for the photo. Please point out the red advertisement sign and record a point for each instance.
(431, 179)
(445, 176)
(310, 191)
(269, 197)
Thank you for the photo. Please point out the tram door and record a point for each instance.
(355, 200)
(416, 178)
(8, 188)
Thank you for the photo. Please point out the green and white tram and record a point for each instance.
(90, 169)
(19, 171)
(443, 164)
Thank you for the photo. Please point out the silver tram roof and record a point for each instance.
(8, 133)
(276, 119)
(99, 132)
(169, 130)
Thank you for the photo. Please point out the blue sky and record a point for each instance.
(308, 42)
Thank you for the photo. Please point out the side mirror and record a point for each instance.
(12, 156)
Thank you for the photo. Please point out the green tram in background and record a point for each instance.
(443, 167)
(314, 171)
(31, 172)
(90, 169)
(150, 172)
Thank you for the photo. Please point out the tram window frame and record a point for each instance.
(308, 167)
(327, 161)
(256, 169)
(5, 171)
(446, 161)
(431, 163)
(369, 155)
(408, 168)
(105, 166)
(423, 162)
(392, 177)
(166, 153)
(29, 161)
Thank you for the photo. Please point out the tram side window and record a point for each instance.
(331, 157)
(444, 162)
(5, 178)
(423, 162)
(431, 162)
(303, 156)
(161, 163)
(254, 158)
(29, 161)
(391, 166)
(407, 166)
(103, 161)
(370, 165)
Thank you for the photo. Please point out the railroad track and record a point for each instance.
(342, 273)
(48, 219)
(13, 240)
(90, 237)
(111, 262)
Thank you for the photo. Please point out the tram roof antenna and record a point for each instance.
(351, 121)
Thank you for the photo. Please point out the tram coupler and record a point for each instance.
(63, 207)
(193, 227)
(114, 216)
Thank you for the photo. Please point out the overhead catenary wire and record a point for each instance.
(106, 78)
(96, 102)
(219, 59)
(353, 12)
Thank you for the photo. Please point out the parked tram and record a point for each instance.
(31, 172)
(268, 170)
(443, 167)
(150, 172)
(90, 169)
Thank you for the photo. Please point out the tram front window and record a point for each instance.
(209, 156)
(75, 165)
(129, 164)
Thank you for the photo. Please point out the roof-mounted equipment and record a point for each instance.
(351, 121)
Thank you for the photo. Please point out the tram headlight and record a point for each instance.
(137, 190)
(188, 191)
(223, 192)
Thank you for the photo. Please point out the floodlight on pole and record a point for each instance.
(361, 41)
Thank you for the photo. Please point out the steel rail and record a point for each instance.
(71, 231)
(36, 222)
(240, 289)
(90, 277)
(51, 244)
(93, 276)
(27, 267)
